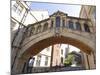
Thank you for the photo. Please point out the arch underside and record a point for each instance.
(39, 46)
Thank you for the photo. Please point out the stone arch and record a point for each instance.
(50, 39)
(47, 41)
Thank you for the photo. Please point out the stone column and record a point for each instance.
(18, 66)
(66, 22)
(35, 29)
(82, 59)
(63, 28)
(61, 23)
(52, 19)
(51, 62)
(42, 27)
(13, 55)
(74, 23)
(91, 27)
(82, 26)
(91, 61)
(86, 64)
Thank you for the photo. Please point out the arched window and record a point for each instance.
(52, 23)
(58, 21)
(63, 23)
(29, 31)
(86, 27)
(33, 30)
(70, 25)
(78, 26)
(38, 28)
(45, 27)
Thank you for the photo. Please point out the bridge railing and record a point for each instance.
(56, 31)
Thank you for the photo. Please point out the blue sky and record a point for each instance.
(71, 10)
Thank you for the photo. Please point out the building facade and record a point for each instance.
(89, 12)
(43, 58)
(48, 57)
(18, 12)
(21, 16)
(53, 55)
(58, 28)
(64, 50)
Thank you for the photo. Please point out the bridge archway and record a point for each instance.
(54, 33)
(86, 46)
(37, 47)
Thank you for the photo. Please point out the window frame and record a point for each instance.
(78, 26)
(58, 19)
(86, 27)
(46, 60)
(38, 61)
(70, 24)
(45, 27)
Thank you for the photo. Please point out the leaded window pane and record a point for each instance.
(86, 27)
(58, 21)
(70, 25)
(78, 26)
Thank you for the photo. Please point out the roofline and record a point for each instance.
(65, 14)
(39, 22)
(78, 18)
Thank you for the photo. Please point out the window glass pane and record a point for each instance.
(63, 23)
(15, 6)
(38, 29)
(45, 26)
(71, 25)
(32, 31)
(78, 27)
(94, 14)
(58, 21)
(19, 10)
(48, 48)
(38, 61)
(62, 52)
(46, 61)
(86, 27)
(67, 24)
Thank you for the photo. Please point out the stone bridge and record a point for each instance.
(58, 28)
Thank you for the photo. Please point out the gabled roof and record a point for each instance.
(58, 12)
